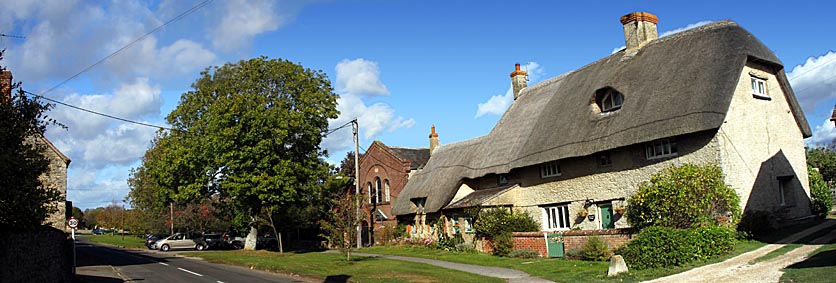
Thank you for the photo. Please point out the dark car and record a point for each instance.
(214, 241)
(99, 231)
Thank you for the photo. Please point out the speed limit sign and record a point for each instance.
(72, 222)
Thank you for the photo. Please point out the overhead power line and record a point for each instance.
(178, 17)
(99, 113)
(12, 36)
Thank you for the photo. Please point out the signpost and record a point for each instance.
(73, 223)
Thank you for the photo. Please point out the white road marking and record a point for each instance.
(163, 263)
(219, 281)
(189, 271)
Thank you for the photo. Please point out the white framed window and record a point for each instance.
(378, 190)
(386, 185)
(549, 169)
(661, 148)
(455, 222)
(611, 101)
(370, 192)
(556, 218)
(468, 225)
(759, 87)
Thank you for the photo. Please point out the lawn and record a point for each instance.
(819, 267)
(333, 267)
(129, 241)
(556, 269)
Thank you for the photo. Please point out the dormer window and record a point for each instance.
(549, 169)
(608, 99)
(759, 87)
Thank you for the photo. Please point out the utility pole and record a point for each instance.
(356, 128)
(123, 219)
(171, 223)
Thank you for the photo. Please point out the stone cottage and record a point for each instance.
(56, 175)
(572, 149)
(384, 171)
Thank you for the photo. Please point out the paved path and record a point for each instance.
(739, 269)
(511, 275)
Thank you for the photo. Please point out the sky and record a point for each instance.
(398, 66)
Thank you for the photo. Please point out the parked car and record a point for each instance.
(99, 231)
(232, 241)
(188, 240)
(267, 242)
(151, 240)
(214, 241)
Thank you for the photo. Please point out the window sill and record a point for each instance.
(761, 97)
(663, 156)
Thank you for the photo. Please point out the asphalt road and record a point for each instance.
(151, 266)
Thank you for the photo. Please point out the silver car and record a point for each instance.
(188, 240)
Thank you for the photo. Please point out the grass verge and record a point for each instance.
(129, 241)
(776, 253)
(556, 269)
(819, 267)
(333, 267)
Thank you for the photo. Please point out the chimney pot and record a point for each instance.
(6, 85)
(639, 29)
(433, 140)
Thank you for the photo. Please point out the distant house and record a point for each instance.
(572, 149)
(56, 175)
(384, 172)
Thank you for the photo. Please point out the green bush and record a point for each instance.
(683, 197)
(495, 221)
(503, 244)
(754, 224)
(574, 253)
(821, 200)
(665, 247)
(524, 254)
(595, 249)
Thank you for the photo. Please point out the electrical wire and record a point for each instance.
(178, 17)
(99, 113)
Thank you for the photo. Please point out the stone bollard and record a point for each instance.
(617, 265)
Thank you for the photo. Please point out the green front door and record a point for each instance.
(555, 245)
(606, 217)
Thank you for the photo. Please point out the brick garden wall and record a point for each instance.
(575, 239)
(44, 255)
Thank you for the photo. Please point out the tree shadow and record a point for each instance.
(822, 259)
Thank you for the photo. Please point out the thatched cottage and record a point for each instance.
(572, 149)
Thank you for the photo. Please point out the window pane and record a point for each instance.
(619, 99)
(754, 85)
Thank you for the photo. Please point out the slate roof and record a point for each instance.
(674, 85)
(417, 156)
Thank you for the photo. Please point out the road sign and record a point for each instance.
(72, 222)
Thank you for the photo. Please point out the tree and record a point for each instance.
(249, 132)
(821, 199)
(347, 164)
(25, 201)
(823, 158)
(683, 197)
(340, 226)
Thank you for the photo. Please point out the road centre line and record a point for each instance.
(163, 263)
(189, 271)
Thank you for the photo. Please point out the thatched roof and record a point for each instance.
(674, 85)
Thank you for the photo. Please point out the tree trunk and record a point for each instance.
(273, 225)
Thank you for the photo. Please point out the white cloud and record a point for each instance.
(122, 145)
(814, 82)
(823, 134)
(690, 26)
(497, 104)
(242, 20)
(359, 77)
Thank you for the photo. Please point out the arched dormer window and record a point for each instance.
(608, 99)
(386, 185)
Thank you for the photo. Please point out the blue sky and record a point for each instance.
(400, 66)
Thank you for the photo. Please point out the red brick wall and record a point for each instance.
(575, 239)
(377, 162)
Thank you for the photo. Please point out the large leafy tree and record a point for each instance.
(25, 201)
(248, 132)
(823, 158)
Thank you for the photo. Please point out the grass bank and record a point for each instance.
(334, 268)
(129, 241)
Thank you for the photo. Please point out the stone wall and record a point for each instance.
(44, 255)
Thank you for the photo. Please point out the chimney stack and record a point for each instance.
(433, 141)
(6, 85)
(639, 29)
(519, 80)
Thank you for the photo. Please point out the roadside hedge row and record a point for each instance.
(658, 246)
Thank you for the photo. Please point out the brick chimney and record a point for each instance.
(639, 29)
(433, 140)
(6, 85)
(519, 80)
